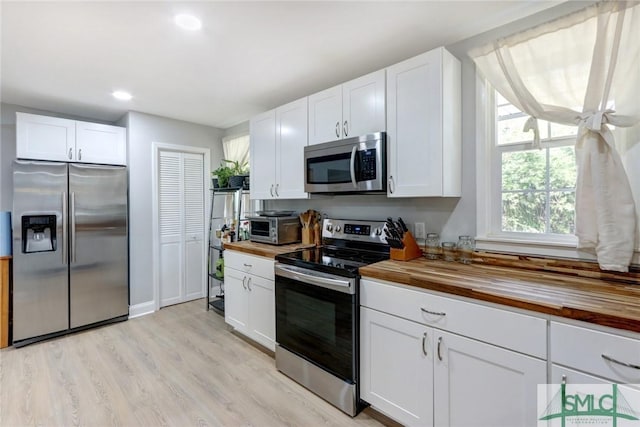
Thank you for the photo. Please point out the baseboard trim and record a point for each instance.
(141, 309)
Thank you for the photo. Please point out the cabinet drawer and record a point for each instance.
(251, 264)
(585, 349)
(518, 332)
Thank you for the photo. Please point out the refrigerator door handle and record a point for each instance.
(64, 237)
(73, 226)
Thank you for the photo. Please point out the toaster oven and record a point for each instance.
(274, 230)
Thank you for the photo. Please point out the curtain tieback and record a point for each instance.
(596, 121)
(532, 124)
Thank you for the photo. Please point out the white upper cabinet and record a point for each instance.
(278, 138)
(325, 116)
(45, 138)
(352, 109)
(291, 138)
(263, 155)
(363, 105)
(52, 138)
(97, 143)
(424, 126)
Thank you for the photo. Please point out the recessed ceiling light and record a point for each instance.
(188, 22)
(122, 95)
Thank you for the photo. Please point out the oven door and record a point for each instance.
(316, 318)
(260, 230)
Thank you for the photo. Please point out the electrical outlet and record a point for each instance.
(419, 227)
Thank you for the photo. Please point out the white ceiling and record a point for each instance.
(249, 57)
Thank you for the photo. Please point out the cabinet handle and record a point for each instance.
(277, 185)
(80, 154)
(249, 284)
(391, 184)
(337, 129)
(70, 153)
(435, 313)
(247, 265)
(271, 190)
(345, 128)
(612, 360)
(244, 282)
(424, 343)
(439, 345)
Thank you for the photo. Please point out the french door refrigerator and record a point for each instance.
(70, 248)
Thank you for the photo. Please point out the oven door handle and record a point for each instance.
(323, 280)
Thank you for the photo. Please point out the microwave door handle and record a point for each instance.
(353, 166)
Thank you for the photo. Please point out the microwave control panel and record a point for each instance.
(367, 165)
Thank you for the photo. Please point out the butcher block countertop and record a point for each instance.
(262, 249)
(613, 301)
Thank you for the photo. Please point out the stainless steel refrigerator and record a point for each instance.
(70, 248)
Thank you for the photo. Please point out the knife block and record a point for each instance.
(410, 251)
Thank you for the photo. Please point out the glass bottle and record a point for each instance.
(465, 249)
(432, 246)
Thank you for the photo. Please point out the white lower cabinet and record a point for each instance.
(420, 374)
(478, 384)
(396, 368)
(249, 302)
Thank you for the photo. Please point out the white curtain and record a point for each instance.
(236, 148)
(583, 69)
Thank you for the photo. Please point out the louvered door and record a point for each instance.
(194, 263)
(181, 226)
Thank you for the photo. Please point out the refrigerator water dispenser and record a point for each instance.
(38, 233)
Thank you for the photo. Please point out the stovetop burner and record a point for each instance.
(348, 245)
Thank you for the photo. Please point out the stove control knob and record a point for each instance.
(378, 232)
(338, 228)
(329, 227)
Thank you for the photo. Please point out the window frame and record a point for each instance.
(489, 234)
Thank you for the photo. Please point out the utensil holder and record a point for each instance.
(410, 251)
(307, 235)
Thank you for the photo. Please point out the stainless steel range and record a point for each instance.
(317, 315)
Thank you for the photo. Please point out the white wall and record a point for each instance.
(143, 130)
(239, 129)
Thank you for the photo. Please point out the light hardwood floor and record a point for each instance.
(180, 366)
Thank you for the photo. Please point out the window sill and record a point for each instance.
(555, 248)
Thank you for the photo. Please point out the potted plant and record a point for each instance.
(239, 173)
(221, 175)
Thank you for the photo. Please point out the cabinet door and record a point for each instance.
(236, 300)
(423, 126)
(363, 105)
(291, 134)
(263, 155)
(45, 138)
(98, 143)
(477, 384)
(396, 367)
(262, 314)
(325, 116)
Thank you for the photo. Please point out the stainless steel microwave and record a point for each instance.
(274, 230)
(353, 165)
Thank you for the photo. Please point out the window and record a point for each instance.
(536, 186)
(236, 148)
